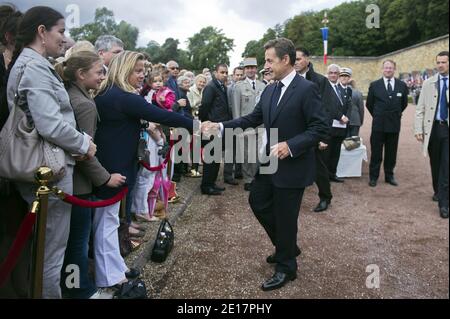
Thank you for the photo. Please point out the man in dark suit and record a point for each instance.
(292, 106)
(215, 107)
(386, 101)
(338, 110)
(305, 68)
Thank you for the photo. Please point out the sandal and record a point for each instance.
(135, 245)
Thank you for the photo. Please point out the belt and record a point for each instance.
(441, 122)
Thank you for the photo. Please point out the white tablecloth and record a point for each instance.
(350, 162)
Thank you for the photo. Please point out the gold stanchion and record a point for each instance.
(40, 206)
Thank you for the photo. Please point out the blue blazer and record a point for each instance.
(301, 122)
(118, 130)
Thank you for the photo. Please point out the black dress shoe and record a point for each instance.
(248, 187)
(231, 182)
(435, 198)
(133, 273)
(211, 191)
(271, 259)
(278, 280)
(391, 181)
(444, 212)
(322, 206)
(336, 179)
(373, 183)
(220, 189)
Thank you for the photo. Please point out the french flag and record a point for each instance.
(325, 44)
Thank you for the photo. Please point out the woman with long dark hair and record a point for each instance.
(33, 79)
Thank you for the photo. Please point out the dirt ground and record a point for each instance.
(220, 248)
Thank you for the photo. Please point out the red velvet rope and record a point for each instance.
(15, 251)
(88, 204)
(163, 165)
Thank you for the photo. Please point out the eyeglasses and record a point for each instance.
(174, 68)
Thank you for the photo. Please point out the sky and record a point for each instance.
(241, 20)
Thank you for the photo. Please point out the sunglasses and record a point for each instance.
(174, 68)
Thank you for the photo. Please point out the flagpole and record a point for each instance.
(324, 30)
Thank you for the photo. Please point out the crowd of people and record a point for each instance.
(110, 109)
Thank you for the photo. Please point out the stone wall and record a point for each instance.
(419, 58)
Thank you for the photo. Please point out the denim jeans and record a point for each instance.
(77, 254)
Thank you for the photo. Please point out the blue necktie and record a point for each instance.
(443, 101)
(275, 98)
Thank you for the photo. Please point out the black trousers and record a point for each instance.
(378, 141)
(277, 210)
(211, 171)
(322, 175)
(353, 130)
(438, 151)
(334, 149)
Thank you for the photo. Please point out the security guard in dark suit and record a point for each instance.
(386, 101)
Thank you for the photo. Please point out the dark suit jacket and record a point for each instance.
(321, 82)
(387, 110)
(301, 122)
(334, 108)
(214, 105)
(317, 78)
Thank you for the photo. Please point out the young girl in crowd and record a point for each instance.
(145, 181)
(156, 93)
(121, 111)
(82, 72)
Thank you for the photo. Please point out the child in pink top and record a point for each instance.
(156, 93)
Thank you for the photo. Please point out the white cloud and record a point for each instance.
(241, 20)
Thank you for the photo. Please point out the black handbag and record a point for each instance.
(143, 154)
(163, 243)
(134, 289)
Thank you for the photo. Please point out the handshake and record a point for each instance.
(209, 128)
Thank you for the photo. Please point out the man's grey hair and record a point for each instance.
(106, 42)
(333, 67)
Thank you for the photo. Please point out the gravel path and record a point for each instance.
(220, 248)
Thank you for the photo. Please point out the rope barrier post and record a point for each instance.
(40, 206)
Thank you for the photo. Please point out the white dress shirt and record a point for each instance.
(252, 82)
(335, 88)
(386, 83)
(286, 82)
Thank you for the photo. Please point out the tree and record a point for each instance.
(403, 23)
(104, 23)
(208, 48)
(256, 48)
(128, 34)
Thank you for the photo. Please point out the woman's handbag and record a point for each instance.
(163, 243)
(351, 143)
(23, 150)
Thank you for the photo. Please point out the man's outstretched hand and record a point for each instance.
(209, 128)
